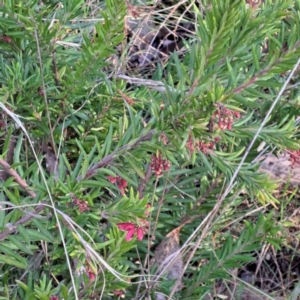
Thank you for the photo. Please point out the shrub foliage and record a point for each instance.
(100, 162)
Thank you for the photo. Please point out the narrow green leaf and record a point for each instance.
(17, 153)
(2, 211)
(12, 197)
(43, 230)
(108, 140)
(24, 234)
(135, 167)
(11, 253)
(23, 286)
(12, 261)
(185, 138)
(205, 161)
(14, 239)
(255, 58)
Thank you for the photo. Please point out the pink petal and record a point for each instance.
(91, 276)
(122, 191)
(140, 233)
(122, 183)
(130, 234)
(112, 179)
(125, 226)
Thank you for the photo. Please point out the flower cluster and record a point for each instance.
(225, 117)
(133, 229)
(81, 204)
(200, 146)
(204, 147)
(119, 293)
(121, 183)
(158, 164)
(294, 157)
(190, 145)
(163, 138)
(54, 298)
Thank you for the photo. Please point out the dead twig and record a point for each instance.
(151, 84)
(17, 177)
(13, 227)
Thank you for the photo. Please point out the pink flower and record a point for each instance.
(121, 183)
(5, 38)
(126, 226)
(91, 275)
(140, 233)
(225, 117)
(112, 179)
(190, 144)
(81, 204)
(130, 234)
(132, 229)
(158, 164)
(294, 157)
(119, 293)
(205, 147)
(89, 272)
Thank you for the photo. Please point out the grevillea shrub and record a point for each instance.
(100, 163)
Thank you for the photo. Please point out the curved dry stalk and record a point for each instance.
(13, 227)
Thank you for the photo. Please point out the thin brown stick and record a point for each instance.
(144, 181)
(9, 158)
(17, 177)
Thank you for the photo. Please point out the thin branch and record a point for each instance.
(23, 220)
(9, 158)
(151, 84)
(144, 181)
(17, 177)
(263, 72)
(109, 158)
(208, 191)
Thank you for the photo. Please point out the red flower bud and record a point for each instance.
(126, 226)
(91, 275)
(130, 234)
(140, 233)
